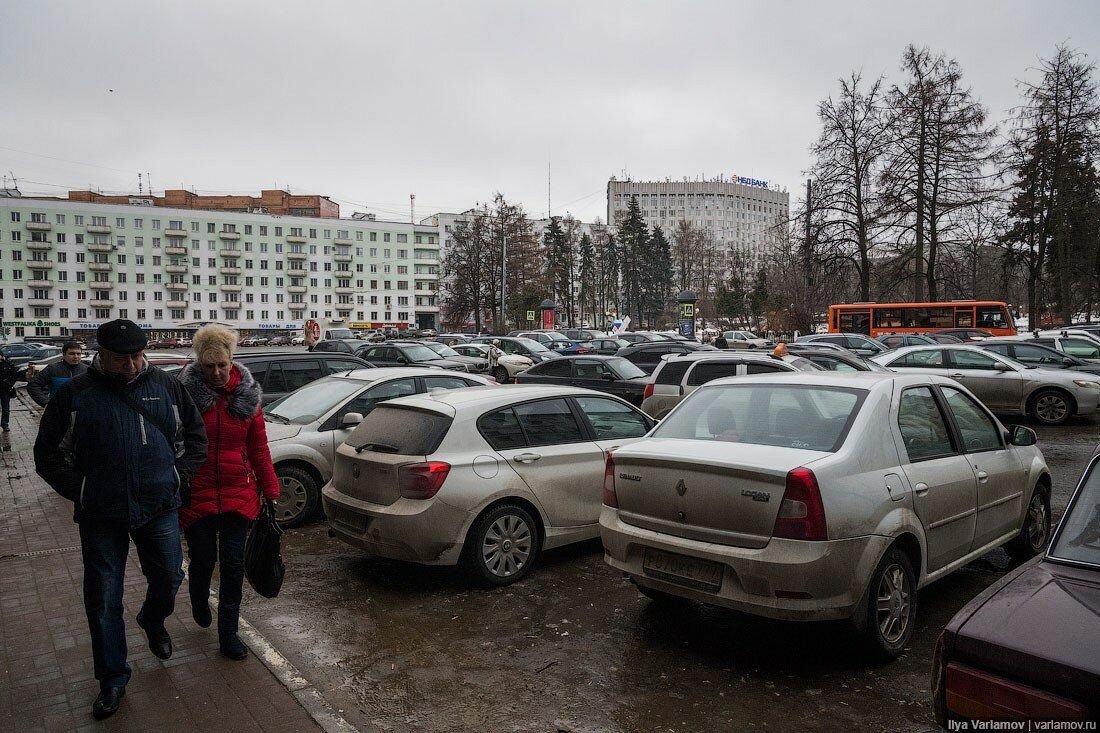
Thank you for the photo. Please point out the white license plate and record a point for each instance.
(689, 571)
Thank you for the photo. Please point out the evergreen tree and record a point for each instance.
(657, 277)
(633, 242)
(588, 285)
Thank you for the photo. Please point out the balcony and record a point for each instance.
(344, 291)
(296, 239)
(342, 274)
(296, 272)
(230, 253)
(40, 283)
(102, 303)
(175, 251)
(297, 289)
(176, 304)
(39, 226)
(297, 256)
(229, 235)
(41, 302)
(100, 247)
(101, 285)
(176, 269)
(39, 245)
(97, 229)
(178, 233)
(229, 270)
(40, 264)
(176, 287)
(297, 307)
(230, 288)
(100, 266)
(342, 258)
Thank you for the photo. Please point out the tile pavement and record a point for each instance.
(46, 679)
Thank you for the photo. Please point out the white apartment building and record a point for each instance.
(66, 267)
(745, 214)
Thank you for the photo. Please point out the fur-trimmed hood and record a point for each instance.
(243, 400)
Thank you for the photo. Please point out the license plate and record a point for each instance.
(688, 571)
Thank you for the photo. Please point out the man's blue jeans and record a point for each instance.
(104, 546)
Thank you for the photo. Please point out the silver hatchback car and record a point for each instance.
(815, 496)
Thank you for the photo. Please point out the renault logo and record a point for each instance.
(681, 488)
(355, 471)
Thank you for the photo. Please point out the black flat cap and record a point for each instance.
(121, 336)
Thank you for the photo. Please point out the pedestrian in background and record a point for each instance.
(721, 343)
(9, 375)
(121, 441)
(226, 490)
(45, 383)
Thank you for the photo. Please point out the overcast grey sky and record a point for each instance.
(368, 101)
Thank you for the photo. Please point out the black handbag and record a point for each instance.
(263, 560)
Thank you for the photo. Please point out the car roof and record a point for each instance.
(490, 397)
(859, 380)
(575, 357)
(374, 375)
(268, 355)
(702, 355)
(894, 353)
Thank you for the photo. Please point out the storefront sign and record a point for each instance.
(37, 323)
(279, 327)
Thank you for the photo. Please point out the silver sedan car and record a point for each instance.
(817, 496)
(304, 427)
(482, 478)
(1050, 396)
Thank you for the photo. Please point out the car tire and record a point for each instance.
(500, 374)
(1035, 534)
(891, 606)
(1050, 407)
(299, 496)
(501, 547)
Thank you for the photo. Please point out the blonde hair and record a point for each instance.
(215, 341)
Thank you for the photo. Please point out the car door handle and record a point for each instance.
(920, 488)
(956, 375)
(982, 476)
(527, 457)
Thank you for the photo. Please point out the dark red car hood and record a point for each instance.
(1039, 625)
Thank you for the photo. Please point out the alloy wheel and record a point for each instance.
(1051, 408)
(894, 604)
(507, 546)
(1038, 528)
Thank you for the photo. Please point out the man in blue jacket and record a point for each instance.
(45, 383)
(121, 442)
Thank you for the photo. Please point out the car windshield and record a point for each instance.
(339, 333)
(785, 415)
(1078, 536)
(441, 349)
(625, 368)
(419, 352)
(313, 401)
(532, 345)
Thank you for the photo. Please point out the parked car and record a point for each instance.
(1033, 353)
(508, 365)
(474, 364)
(20, 354)
(483, 478)
(279, 341)
(1027, 648)
(280, 372)
(165, 343)
(944, 338)
(305, 427)
(1049, 396)
(1080, 346)
(610, 374)
(800, 346)
(404, 353)
(646, 356)
(963, 334)
(543, 337)
(533, 350)
(606, 345)
(744, 340)
(451, 339)
(850, 493)
(857, 343)
(895, 340)
(298, 341)
(428, 333)
(569, 347)
(340, 346)
(583, 334)
(38, 359)
(638, 337)
(840, 360)
(678, 375)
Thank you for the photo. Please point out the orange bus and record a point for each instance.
(876, 319)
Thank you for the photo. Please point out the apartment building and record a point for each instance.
(67, 266)
(749, 216)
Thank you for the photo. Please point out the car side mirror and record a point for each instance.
(1003, 367)
(609, 377)
(1067, 361)
(351, 419)
(1021, 436)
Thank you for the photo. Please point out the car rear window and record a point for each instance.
(671, 372)
(405, 431)
(786, 415)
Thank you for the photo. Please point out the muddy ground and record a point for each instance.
(573, 646)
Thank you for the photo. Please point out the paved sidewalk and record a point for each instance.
(46, 680)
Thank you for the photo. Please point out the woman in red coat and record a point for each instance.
(225, 491)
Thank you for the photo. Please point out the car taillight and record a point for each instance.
(583, 350)
(801, 513)
(977, 695)
(648, 391)
(609, 497)
(422, 480)
(491, 380)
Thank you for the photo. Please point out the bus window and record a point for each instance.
(992, 316)
(889, 318)
(964, 317)
(928, 317)
(856, 322)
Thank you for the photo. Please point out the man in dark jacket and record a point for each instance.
(9, 375)
(121, 442)
(45, 383)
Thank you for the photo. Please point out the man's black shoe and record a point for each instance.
(200, 611)
(160, 643)
(232, 647)
(107, 703)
